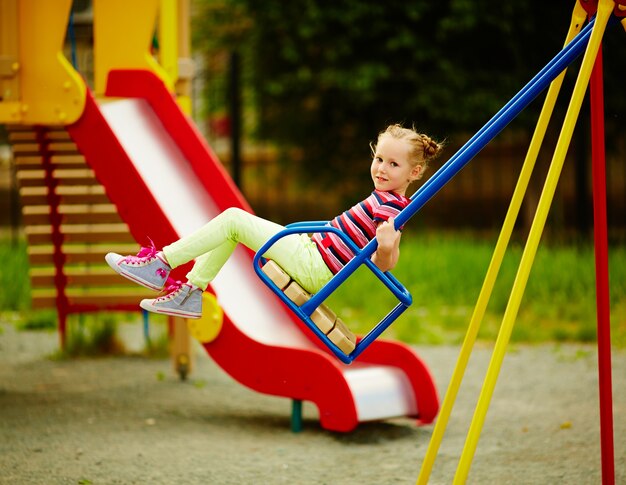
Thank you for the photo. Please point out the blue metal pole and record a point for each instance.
(378, 329)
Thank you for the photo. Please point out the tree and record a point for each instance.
(327, 76)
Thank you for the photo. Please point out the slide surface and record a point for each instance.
(166, 182)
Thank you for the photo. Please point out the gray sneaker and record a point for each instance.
(182, 300)
(148, 268)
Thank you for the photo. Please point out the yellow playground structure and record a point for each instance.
(41, 93)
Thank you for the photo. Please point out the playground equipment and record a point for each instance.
(306, 311)
(156, 173)
(599, 14)
(67, 214)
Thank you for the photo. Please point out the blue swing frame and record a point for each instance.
(453, 166)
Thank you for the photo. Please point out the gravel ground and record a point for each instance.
(130, 420)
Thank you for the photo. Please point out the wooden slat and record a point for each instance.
(20, 136)
(43, 255)
(34, 196)
(28, 161)
(25, 148)
(81, 233)
(68, 159)
(53, 147)
(31, 178)
(80, 176)
(98, 300)
(13, 128)
(68, 195)
(61, 146)
(34, 178)
(72, 214)
(34, 162)
(80, 276)
(16, 137)
(59, 135)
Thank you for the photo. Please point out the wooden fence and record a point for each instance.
(476, 199)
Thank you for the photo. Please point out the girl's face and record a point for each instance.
(391, 170)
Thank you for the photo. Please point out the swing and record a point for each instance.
(329, 329)
(441, 177)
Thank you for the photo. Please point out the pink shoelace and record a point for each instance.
(144, 253)
(172, 287)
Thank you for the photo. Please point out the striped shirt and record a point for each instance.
(359, 224)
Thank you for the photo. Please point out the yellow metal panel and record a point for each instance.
(123, 33)
(52, 92)
(10, 112)
(9, 85)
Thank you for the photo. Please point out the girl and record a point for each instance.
(400, 156)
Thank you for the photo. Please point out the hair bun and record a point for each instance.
(431, 147)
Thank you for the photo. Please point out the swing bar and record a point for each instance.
(453, 166)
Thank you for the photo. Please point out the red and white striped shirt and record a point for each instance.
(359, 224)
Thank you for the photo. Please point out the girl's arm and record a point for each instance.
(388, 252)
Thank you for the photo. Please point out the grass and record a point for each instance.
(92, 334)
(444, 273)
(15, 294)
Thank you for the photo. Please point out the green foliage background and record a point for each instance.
(443, 272)
(325, 77)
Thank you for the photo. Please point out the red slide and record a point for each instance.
(166, 182)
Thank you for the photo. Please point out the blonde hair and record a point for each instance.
(423, 149)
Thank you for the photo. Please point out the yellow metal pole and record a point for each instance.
(186, 66)
(578, 18)
(605, 9)
(168, 38)
(172, 28)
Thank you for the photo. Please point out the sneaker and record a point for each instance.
(148, 268)
(182, 300)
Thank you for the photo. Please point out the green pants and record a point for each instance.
(212, 245)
